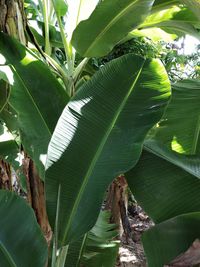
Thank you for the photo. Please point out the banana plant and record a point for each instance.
(166, 179)
(80, 140)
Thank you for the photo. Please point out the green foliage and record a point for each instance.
(166, 179)
(112, 20)
(34, 86)
(115, 122)
(97, 248)
(93, 159)
(19, 229)
(100, 249)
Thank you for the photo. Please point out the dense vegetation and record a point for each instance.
(95, 92)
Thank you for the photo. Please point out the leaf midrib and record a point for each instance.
(98, 153)
(196, 136)
(175, 162)
(162, 23)
(32, 100)
(112, 22)
(7, 255)
(79, 11)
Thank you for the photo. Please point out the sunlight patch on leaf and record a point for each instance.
(43, 158)
(73, 108)
(176, 146)
(19, 159)
(6, 135)
(6, 74)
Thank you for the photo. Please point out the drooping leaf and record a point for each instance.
(37, 97)
(175, 20)
(166, 179)
(179, 128)
(164, 242)
(162, 188)
(100, 249)
(163, 184)
(108, 24)
(189, 163)
(21, 240)
(97, 248)
(99, 136)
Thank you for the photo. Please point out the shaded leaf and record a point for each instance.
(100, 248)
(21, 240)
(166, 179)
(42, 96)
(97, 248)
(165, 241)
(189, 258)
(163, 189)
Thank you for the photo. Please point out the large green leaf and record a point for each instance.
(162, 188)
(166, 179)
(99, 136)
(165, 189)
(174, 20)
(108, 24)
(21, 240)
(180, 127)
(36, 95)
(97, 248)
(167, 240)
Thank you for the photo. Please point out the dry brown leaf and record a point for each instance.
(189, 258)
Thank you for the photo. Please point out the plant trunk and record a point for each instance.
(36, 196)
(13, 22)
(12, 19)
(117, 203)
(5, 176)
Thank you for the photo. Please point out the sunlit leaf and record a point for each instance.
(99, 136)
(109, 23)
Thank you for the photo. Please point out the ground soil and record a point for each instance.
(131, 252)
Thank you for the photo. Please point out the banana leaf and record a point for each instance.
(21, 239)
(99, 136)
(166, 181)
(36, 96)
(109, 23)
